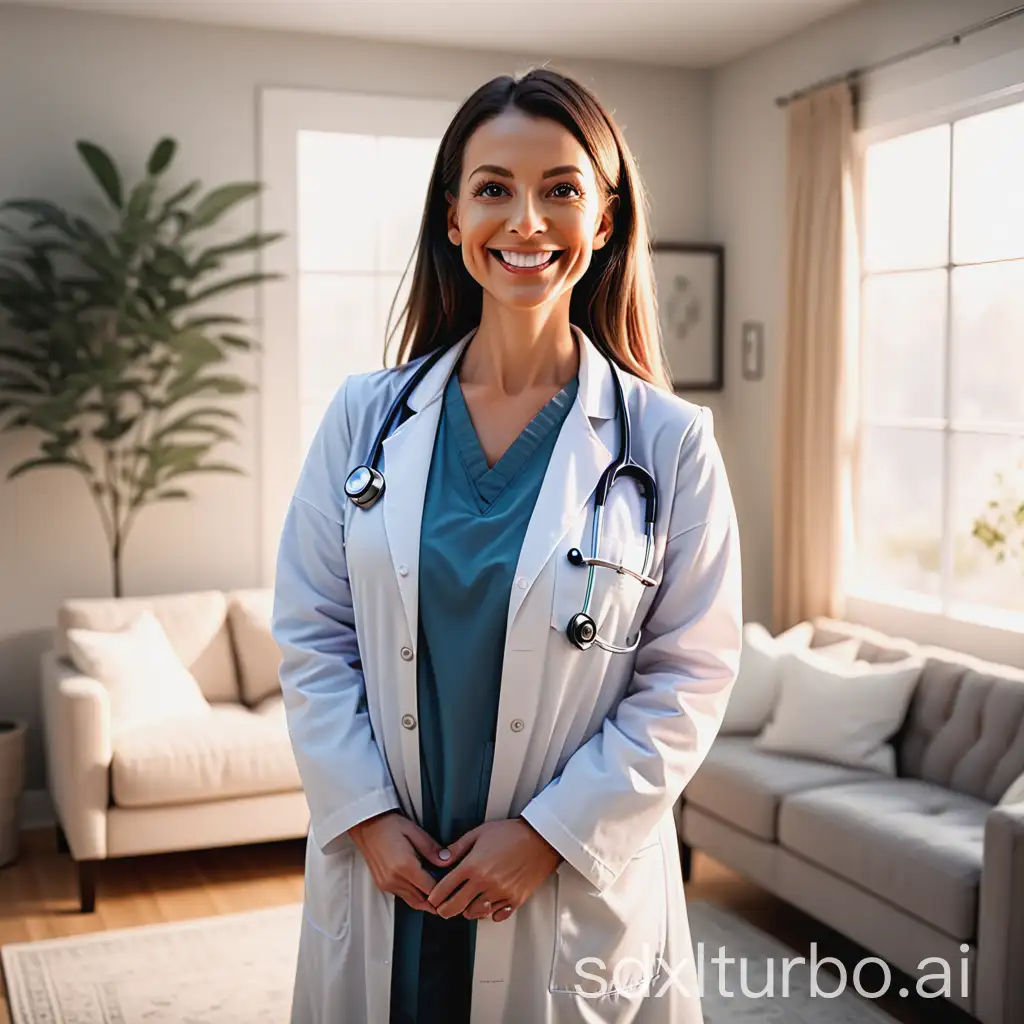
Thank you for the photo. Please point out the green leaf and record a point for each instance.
(180, 196)
(231, 283)
(163, 153)
(210, 258)
(104, 171)
(174, 493)
(115, 429)
(38, 463)
(237, 341)
(187, 387)
(216, 203)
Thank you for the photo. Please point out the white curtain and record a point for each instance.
(816, 451)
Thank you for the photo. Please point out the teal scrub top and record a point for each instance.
(474, 521)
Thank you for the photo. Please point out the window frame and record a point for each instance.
(980, 627)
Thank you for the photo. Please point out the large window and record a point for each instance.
(941, 474)
(346, 177)
(360, 200)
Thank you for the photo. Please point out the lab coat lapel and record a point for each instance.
(577, 461)
(407, 454)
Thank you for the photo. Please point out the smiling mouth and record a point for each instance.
(526, 263)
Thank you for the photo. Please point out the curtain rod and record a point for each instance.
(854, 74)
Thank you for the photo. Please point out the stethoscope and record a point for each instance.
(365, 485)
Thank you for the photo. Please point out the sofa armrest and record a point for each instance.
(77, 738)
(999, 985)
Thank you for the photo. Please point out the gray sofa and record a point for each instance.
(909, 867)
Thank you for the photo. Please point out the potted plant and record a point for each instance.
(12, 780)
(111, 353)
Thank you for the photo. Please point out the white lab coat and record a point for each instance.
(593, 748)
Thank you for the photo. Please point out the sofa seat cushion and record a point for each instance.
(743, 785)
(913, 843)
(232, 752)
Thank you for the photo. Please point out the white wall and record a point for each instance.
(748, 201)
(123, 83)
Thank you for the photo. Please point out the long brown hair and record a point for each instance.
(613, 303)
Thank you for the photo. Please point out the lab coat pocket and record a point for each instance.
(612, 942)
(327, 898)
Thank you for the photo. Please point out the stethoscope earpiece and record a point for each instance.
(581, 631)
(364, 486)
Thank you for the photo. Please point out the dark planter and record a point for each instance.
(12, 781)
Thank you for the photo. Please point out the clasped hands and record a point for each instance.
(497, 866)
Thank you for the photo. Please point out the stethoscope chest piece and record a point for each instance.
(364, 486)
(581, 631)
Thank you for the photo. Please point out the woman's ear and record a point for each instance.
(605, 225)
(454, 234)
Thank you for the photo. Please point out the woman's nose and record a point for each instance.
(525, 219)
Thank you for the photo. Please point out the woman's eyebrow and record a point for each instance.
(504, 172)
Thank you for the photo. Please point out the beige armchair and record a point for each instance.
(224, 780)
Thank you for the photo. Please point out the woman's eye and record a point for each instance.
(559, 193)
(485, 190)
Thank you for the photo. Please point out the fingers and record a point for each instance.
(414, 899)
(458, 901)
(461, 846)
(502, 914)
(443, 889)
(427, 846)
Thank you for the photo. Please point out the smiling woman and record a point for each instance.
(490, 783)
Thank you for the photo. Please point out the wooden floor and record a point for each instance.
(38, 900)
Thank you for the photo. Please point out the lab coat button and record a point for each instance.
(406, 654)
(521, 582)
(403, 570)
(518, 725)
(408, 721)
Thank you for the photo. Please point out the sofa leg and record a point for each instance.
(62, 840)
(87, 885)
(686, 855)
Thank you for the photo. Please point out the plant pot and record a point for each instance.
(12, 781)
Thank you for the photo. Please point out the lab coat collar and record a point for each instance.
(596, 389)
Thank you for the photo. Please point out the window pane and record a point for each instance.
(339, 331)
(337, 201)
(988, 185)
(979, 577)
(904, 344)
(988, 342)
(403, 174)
(906, 201)
(900, 510)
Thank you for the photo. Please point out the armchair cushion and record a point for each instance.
(256, 650)
(145, 680)
(234, 751)
(195, 624)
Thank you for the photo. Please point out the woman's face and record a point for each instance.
(529, 211)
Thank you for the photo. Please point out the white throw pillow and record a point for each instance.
(1015, 794)
(144, 677)
(844, 714)
(757, 683)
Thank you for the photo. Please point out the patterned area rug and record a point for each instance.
(239, 968)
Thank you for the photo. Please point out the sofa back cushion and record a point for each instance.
(256, 651)
(964, 728)
(195, 624)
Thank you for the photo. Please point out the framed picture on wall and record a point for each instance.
(690, 283)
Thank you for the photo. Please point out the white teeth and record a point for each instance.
(524, 259)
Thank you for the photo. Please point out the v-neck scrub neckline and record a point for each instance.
(490, 481)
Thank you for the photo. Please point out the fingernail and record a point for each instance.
(445, 855)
